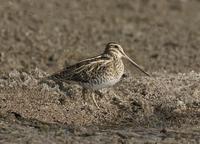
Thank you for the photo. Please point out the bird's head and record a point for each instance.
(116, 50)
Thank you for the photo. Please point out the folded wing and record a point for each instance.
(82, 71)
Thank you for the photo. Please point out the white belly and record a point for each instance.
(105, 81)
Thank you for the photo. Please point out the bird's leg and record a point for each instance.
(94, 100)
(84, 93)
(102, 93)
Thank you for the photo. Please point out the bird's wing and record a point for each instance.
(82, 71)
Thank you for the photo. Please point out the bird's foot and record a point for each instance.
(95, 102)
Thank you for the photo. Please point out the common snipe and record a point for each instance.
(97, 72)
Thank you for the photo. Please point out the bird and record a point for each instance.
(96, 73)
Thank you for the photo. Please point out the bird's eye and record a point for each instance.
(115, 46)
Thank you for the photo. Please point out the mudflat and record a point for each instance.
(38, 38)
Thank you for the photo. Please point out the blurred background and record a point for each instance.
(48, 34)
(40, 37)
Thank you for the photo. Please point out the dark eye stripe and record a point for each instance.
(118, 48)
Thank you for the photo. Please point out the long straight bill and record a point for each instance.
(137, 66)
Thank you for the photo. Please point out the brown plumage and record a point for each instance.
(98, 72)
